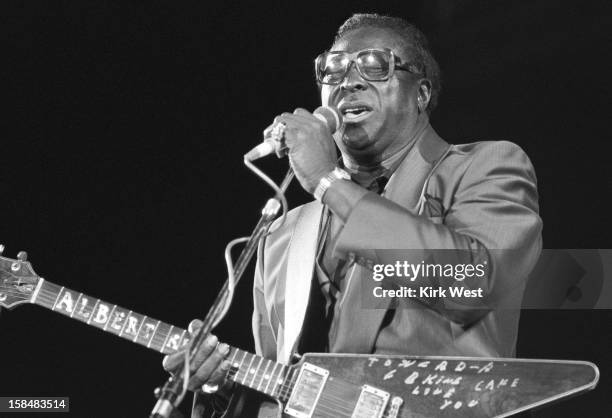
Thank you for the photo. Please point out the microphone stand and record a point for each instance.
(168, 394)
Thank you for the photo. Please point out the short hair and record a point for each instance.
(415, 40)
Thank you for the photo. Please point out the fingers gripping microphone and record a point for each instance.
(272, 142)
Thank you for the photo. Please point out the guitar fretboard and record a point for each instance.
(247, 369)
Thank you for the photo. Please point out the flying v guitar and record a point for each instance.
(333, 385)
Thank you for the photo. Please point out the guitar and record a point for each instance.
(332, 385)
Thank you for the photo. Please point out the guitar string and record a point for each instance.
(336, 406)
(284, 389)
(339, 402)
(319, 407)
(50, 297)
(287, 387)
(328, 394)
(160, 334)
(237, 377)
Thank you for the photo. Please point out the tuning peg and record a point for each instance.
(1, 249)
(22, 256)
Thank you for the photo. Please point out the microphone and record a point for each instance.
(328, 115)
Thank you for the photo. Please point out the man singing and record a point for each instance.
(397, 185)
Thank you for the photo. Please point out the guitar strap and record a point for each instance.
(300, 268)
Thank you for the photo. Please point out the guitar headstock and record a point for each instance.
(17, 280)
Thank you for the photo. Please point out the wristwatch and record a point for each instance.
(334, 175)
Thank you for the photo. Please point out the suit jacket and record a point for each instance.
(480, 197)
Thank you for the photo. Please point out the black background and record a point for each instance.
(123, 129)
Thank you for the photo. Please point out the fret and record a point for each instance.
(246, 368)
(133, 323)
(100, 315)
(174, 340)
(254, 372)
(239, 366)
(284, 389)
(246, 373)
(48, 293)
(167, 336)
(279, 381)
(159, 335)
(235, 350)
(233, 368)
(283, 384)
(117, 320)
(271, 378)
(294, 373)
(151, 339)
(76, 310)
(110, 315)
(64, 303)
(145, 334)
(37, 290)
(125, 323)
(83, 309)
(139, 328)
(263, 375)
(76, 304)
(180, 343)
(57, 298)
(92, 311)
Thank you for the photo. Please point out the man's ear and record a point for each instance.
(424, 94)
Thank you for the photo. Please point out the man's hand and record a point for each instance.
(208, 365)
(312, 151)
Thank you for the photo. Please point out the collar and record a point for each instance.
(429, 145)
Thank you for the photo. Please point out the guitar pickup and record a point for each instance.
(306, 392)
(371, 403)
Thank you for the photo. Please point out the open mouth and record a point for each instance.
(354, 112)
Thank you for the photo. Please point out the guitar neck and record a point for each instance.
(253, 371)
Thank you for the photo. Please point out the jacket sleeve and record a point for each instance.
(493, 219)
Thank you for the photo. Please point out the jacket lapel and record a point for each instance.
(297, 280)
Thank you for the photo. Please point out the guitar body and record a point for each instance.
(330, 385)
(370, 386)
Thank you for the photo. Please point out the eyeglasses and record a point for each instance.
(372, 64)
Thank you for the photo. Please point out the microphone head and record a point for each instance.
(330, 116)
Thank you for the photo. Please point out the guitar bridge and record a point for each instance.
(371, 403)
(306, 391)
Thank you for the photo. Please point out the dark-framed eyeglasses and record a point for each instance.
(331, 67)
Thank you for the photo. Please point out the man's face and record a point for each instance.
(392, 112)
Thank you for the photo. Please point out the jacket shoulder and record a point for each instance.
(485, 155)
(489, 148)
